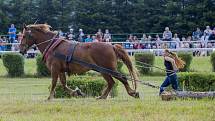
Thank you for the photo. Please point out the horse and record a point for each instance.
(101, 54)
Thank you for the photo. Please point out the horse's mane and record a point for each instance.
(40, 27)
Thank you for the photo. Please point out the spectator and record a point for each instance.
(3, 41)
(99, 35)
(128, 45)
(12, 33)
(167, 34)
(183, 39)
(144, 38)
(130, 38)
(149, 38)
(158, 42)
(107, 36)
(81, 35)
(176, 40)
(20, 35)
(212, 36)
(136, 43)
(88, 39)
(94, 39)
(70, 35)
(61, 34)
(197, 34)
(1, 44)
(207, 33)
(189, 42)
(148, 44)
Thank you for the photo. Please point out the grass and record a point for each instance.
(24, 99)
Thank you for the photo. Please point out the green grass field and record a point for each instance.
(24, 99)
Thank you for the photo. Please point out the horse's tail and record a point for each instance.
(123, 55)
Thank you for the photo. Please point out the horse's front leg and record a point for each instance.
(54, 82)
(66, 88)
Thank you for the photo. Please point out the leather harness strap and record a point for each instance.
(70, 52)
(70, 58)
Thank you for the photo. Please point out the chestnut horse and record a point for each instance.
(100, 54)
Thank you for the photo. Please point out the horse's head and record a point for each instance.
(32, 34)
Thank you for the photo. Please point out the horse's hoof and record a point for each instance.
(79, 93)
(137, 95)
(49, 99)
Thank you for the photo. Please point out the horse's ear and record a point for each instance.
(24, 26)
(48, 25)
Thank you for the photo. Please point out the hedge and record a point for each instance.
(213, 61)
(193, 81)
(187, 58)
(119, 66)
(147, 58)
(91, 86)
(14, 64)
(42, 70)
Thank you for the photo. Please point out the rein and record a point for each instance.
(35, 45)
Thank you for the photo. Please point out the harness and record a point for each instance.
(70, 58)
(52, 45)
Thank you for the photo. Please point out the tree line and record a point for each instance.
(119, 16)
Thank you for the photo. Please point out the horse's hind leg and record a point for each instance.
(65, 87)
(110, 83)
(130, 91)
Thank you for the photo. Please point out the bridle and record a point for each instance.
(27, 47)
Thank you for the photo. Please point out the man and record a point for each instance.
(81, 35)
(167, 36)
(197, 34)
(70, 35)
(12, 33)
(88, 39)
(107, 36)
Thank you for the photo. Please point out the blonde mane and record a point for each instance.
(40, 27)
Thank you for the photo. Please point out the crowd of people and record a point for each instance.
(12, 37)
(81, 37)
(198, 39)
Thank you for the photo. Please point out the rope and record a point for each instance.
(151, 66)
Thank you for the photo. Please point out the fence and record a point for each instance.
(157, 51)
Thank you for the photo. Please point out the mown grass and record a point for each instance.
(24, 99)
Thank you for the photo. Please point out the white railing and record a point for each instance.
(139, 50)
(176, 50)
(141, 42)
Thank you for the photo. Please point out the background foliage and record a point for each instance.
(197, 81)
(144, 61)
(42, 70)
(120, 16)
(187, 58)
(91, 86)
(14, 64)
